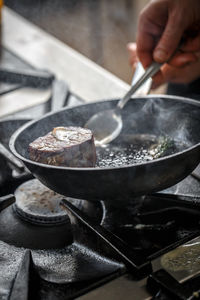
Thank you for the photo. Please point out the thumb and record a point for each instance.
(169, 40)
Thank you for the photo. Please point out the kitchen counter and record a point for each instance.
(85, 78)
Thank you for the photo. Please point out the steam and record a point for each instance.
(163, 119)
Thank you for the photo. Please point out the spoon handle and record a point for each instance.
(146, 87)
(149, 72)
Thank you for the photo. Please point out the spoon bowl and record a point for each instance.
(107, 125)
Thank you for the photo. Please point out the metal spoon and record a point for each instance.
(106, 125)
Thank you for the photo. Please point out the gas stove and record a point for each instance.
(55, 247)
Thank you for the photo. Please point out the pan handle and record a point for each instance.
(15, 162)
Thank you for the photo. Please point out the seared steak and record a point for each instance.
(65, 146)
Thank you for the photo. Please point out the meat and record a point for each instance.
(65, 146)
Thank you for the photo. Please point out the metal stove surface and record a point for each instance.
(8, 60)
(60, 273)
(142, 227)
(110, 252)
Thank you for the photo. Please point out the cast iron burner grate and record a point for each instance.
(95, 250)
(150, 224)
(72, 264)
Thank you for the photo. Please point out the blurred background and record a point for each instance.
(99, 29)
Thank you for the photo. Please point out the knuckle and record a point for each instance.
(142, 17)
(177, 19)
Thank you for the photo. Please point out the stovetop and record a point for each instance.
(85, 248)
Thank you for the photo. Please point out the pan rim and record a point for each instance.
(29, 161)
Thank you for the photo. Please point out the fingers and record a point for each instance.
(169, 40)
(145, 45)
(147, 32)
(181, 59)
(185, 74)
(174, 71)
(192, 44)
(131, 47)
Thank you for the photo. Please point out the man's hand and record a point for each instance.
(161, 26)
(182, 69)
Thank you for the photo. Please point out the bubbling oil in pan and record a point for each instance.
(137, 149)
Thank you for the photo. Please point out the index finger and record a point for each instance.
(145, 46)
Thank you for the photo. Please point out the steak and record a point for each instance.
(65, 146)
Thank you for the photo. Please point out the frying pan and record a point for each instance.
(175, 117)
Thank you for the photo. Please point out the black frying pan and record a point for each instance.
(176, 117)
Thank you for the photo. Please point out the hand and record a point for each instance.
(161, 26)
(132, 51)
(176, 72)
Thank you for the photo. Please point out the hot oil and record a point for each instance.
(113, 156)
(139, 149)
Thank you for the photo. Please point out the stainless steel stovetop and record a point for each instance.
(92, 251)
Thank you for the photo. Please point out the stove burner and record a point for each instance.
(57, 258)
(38, 204)
(37, 221)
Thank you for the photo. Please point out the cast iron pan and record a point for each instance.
(175, 117)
